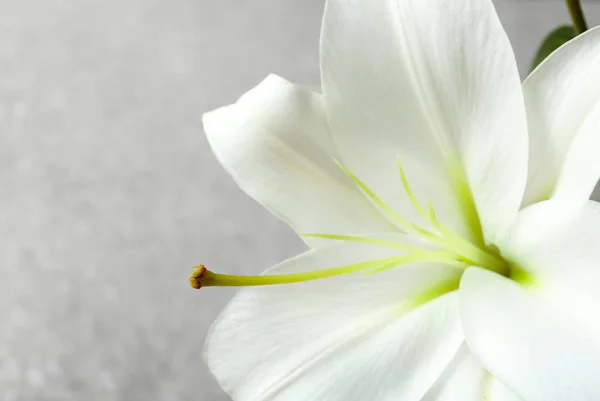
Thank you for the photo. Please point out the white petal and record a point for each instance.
(436, 82)
(558, 243)
(529, 343)
(466, 380)
(551, 327)
(275, 143)
(346, 338)
(563, 106)
(581, 168)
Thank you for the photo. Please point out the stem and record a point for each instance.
(577, 16)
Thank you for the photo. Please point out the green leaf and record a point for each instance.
(553, 41)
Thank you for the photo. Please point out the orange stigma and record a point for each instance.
(195, 277)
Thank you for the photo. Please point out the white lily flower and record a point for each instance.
(426, 280)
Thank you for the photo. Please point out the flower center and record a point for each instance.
(451, 249)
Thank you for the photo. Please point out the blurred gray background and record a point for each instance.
(109, 193)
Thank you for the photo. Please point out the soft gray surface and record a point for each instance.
(109, 192)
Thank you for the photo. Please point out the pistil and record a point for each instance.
(202, 277)
(453, 250)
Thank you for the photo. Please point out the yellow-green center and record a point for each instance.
(450, 248)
